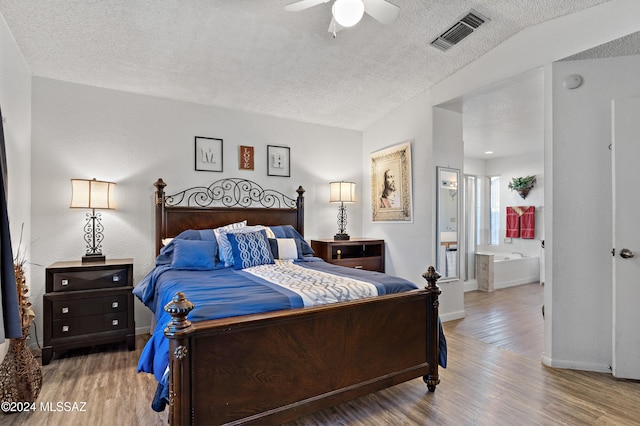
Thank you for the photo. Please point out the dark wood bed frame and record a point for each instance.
(274, 367)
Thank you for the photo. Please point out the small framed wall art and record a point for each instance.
(278, 161)
(208, 154)
(246, 157)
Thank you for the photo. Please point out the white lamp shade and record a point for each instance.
(92, 194)
(348, 12)
(342, 192)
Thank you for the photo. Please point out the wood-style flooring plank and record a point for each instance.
(495, 382)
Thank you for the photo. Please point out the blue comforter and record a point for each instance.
(226, 293)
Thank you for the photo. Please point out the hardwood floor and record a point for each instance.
(510, 318)
(494, 377)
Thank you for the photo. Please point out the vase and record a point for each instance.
(20, 372)
(523, 192)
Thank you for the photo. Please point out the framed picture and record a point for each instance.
(246, 157)
(278, 161)
(391, 184)
(208, 154)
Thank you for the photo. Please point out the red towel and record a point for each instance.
(528, 223)
(513, 223)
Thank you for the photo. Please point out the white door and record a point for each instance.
(626, 237)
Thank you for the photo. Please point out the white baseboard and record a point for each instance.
(452, 316)
(470, 285)
(142, 330)
(573, 365)
(513, 283)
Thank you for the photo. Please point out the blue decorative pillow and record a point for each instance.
(285, 248)
(166, 253)
(225, 245)
(288, 231)
(250, 249)
(193, 254)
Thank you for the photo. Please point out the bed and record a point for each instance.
(272, 367)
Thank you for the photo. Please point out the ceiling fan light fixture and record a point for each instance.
(348, 12)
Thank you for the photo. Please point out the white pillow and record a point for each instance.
(269, 232)
(287, 248)
(166, 241)
(217, 233)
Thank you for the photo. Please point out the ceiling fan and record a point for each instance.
(347, 13)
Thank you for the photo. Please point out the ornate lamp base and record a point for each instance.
(341, 237)
(97, 257)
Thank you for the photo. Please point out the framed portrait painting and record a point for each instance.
(391, 184)
(208, 154)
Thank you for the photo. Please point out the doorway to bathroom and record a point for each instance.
(503, 139)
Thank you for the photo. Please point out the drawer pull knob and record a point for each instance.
(114, 322)
(65, 328)
(114, 305)
(65, 310)
(65, 282)
(116, 278)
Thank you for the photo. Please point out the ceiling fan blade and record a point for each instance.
(381, 10)
(302, 5)
(334, 27)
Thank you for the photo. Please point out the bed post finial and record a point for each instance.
(178, 308)
(431, 275)
(159, 184)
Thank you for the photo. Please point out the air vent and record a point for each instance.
(459, 30)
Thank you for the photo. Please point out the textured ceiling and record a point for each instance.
(251, 55)
(506, 118)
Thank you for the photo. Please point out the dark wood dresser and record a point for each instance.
(359, 253)
(87, 304)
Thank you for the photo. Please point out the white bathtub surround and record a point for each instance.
(484, 271)
(501, 270)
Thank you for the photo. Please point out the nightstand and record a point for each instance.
(359, 253)
(87, 304)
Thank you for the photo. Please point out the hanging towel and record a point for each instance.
(528, 223)
(452, 261)
(513, 223)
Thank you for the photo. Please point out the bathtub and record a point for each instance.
(501, 270)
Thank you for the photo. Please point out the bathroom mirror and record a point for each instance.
(447, 235)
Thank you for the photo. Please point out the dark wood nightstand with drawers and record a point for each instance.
(87, 304)
(359, 253)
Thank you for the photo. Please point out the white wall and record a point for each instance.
(475, 166)
(582, 270)
(408, 245)
(448, 151)
(15, 99)
(86, 132)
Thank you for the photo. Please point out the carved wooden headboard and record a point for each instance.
(224, 201)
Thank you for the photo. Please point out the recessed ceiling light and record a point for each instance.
(488, 152)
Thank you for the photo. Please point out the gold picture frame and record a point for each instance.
(391, 194)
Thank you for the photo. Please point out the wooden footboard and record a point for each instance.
(275, 367)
